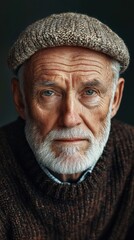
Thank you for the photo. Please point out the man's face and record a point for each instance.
(68, 89)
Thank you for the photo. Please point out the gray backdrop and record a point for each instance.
(15, 15)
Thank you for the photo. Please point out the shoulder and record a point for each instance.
(123, 132)
(122, 136)
(5, 135)
(11, 133)
(9, 165)
(9, 137)
(6, 154)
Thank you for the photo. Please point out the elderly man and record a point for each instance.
(66, 168)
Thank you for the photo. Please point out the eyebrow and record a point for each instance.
(87, 83)
(95, 83)
(45, 83)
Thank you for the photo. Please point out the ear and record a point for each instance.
(18, 99)
(117, 96)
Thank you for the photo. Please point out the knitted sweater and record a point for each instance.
(33, 207)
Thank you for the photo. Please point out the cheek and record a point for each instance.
(45, 120)
(95, 118)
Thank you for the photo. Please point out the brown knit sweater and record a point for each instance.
(33, 207)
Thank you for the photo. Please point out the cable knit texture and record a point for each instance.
(68, 29)
(33, 207)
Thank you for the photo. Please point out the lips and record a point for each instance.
(69, 140)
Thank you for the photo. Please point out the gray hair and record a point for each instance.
(116, 70)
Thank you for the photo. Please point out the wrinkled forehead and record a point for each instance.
(77, 57)
(60, 63)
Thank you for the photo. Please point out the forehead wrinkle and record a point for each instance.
(69, 60)
(82, 64)
(69, 64)
(91, 61)
(44, 68)
(72, 71)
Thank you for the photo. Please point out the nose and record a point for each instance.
(70, 112)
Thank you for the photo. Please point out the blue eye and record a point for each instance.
(90, 92)
(47, 93)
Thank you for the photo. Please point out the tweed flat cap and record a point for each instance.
(68, 29)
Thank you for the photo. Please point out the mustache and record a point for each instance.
(69, 134)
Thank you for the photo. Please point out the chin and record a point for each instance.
(68, 161)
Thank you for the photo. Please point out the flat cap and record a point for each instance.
(68, 29)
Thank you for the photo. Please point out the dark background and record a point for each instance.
(15, 15)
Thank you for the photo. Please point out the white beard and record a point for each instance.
(70, 160)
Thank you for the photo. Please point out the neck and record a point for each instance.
(71, 178)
